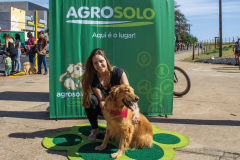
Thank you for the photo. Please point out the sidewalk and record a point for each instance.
(209, 115)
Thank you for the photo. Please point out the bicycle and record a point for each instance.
(182, 83)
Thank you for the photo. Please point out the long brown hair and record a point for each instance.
(88, 75)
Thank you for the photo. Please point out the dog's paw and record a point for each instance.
(116, 155)
(100, 148)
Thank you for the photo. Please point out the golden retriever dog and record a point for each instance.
(29, 67)
(130, 135)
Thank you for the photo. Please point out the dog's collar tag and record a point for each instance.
(122, 114)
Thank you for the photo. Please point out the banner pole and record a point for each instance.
(36, 55)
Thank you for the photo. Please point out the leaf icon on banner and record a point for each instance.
(144, 58)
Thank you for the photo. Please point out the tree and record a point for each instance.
(188, 39)
(181, 25)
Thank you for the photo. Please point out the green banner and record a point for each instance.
(137, 35)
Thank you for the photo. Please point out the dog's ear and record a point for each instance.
(113, 94)
(70, 68)
(80, 64)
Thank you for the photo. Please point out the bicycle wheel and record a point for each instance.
(182, 82)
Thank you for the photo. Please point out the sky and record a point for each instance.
(203, 15)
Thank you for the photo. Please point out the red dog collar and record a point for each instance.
(122, 114)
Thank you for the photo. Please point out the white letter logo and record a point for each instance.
(95, 12)
(103, 14)
(85, 12)
(72, 12)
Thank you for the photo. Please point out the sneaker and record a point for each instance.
(39, 72)
(45, 73)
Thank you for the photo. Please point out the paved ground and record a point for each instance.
(209, 115)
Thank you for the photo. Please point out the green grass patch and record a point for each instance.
(226, 53)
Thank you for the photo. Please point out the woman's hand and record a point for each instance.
(40, 53)
(27, 47)
(136, 116)
(101, 104)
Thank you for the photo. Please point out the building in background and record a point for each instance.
(17, 19)
(20, 16)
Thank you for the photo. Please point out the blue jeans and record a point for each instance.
(42, 59)
(18, 62)
(31, 56)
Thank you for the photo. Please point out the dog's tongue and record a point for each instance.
(130, 104)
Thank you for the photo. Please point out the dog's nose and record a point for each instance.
(137, 98)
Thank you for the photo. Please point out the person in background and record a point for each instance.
(30, 45)
(17, 46)
(236, 54)
(42, 46)
(10, 46)
(3, 55)
(8, 65)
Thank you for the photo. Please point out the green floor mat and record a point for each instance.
(78, 147)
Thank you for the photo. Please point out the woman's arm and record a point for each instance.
(33, 44)
(100, 96)
(45, 47)
(124, 79)
(6, 43)
(17, 44)
(135, 107)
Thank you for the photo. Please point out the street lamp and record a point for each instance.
(220, 27)
(210, 44)
(189, 28)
